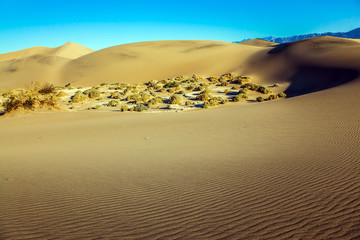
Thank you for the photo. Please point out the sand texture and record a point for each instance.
(284, 169)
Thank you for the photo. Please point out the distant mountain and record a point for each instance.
(351, 34)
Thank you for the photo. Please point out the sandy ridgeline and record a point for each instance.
(284, 169)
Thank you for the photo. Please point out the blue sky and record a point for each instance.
(105, 23)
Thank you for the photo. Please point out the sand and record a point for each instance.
(286, 169)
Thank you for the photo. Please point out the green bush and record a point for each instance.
(175, 99)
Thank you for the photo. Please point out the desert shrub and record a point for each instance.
(188, 103)
(171, 84)
(224, 83)
(181, 92)
(272, 97)
(68, 85)
(225, 101)
(213, 79)
(275, 85)
(199, 88)
(264, 90)
(153, 94)
(206, 105)
(163, 90)
(251, 86)
(62, 94)
(228, 75)
(140, 107)
(92, 93)
(28, 100)
(133, 97)
(175, 99)
(145, 97)
(204, 96)
(218, 99)
(47, 88)
(213, 103)
(239, 97)
(152, 83)
(260, 99)
(115, 95)
(113, 103)
(281, 95)
(226, 91)
(170, 90)
(243, 91)
(78, 97)
(196, 77)
(179, 78)
(154, 101)
(124, 108)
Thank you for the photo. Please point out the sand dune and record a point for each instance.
(37, 64)
(259, 42)
(284, 169)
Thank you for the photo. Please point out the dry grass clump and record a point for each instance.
(175, 99)
(257, 87)
(272, 97)
(239, 97)
(172, 84)
(228, 75)
(188, 103)
(133, 97)
(78, 97)
(264, 90)
(47, 88)
(243, 91)
(206, 105)
(92, 93)
(62, 94)
(140, 108)
(213, 79)
(281, 95)
(196, 77)
(154, 101)
(115, 95)
(27, 100)
(124, 108)
(260, 99)
(204, 96)
(113, 103)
